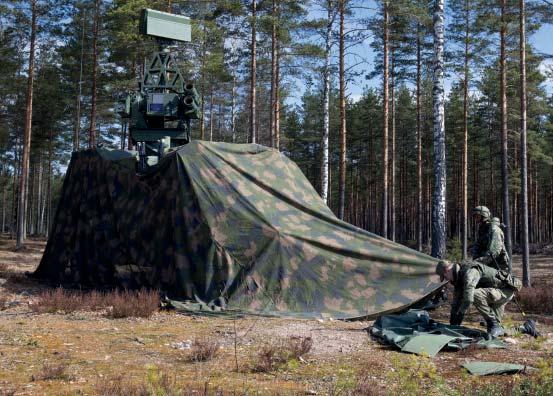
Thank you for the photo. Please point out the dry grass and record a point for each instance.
(51, 371)
(119, 385)
(368, 387)
(203, 349)
(157, 382)
(538, 299)
(273, 355)
(140, 304)
(66, 301)
(118, 304)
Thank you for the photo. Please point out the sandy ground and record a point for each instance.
(95, 348)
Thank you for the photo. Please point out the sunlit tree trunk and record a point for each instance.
(342, 163)
(504, 137)
(523, 156)
(385, 104)
(419, 144)
(49, 184)
(464, 173)
(211, 118)
(277, 92)
(4, 201)
(233, 109)
(23, 180)
(253, 71)
(92, 130)
(439, 196)
(273, 75)
(393, 155)
(77, 130)
(326, 104)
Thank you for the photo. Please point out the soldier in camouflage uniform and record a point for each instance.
(485, 287)
(489, 248)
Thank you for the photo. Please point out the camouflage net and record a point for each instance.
(225, 225)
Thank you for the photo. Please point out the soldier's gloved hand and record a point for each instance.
(454, 321)
(458, 316)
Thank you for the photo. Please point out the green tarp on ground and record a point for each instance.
(236, 226)
(415, 332)
(490, 368)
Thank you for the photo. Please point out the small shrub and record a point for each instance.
(51, 371)
(299, 346)
(537, 299)
(141, 304)
(203, 350)
(58, 300)
(3, 268)
(274, 355)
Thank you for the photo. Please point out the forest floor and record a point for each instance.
(87, 353)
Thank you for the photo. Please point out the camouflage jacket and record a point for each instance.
(489, 248)
(472, 275)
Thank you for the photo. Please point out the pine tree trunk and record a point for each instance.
(44, 201)
(233, 108)
(15, 197)
(211, 113)
(326, 105)
(92, 129)
(273, 75)
(39, 196)
(202, 79)
(439, 196)
(342, 163)
(77, 130)
(21, 212)
(4, 202)
(253, 71)
(504, 138)
(277, 93)
(49, 185)
(385, 104)
(393, 155)
(123, 133)
(419, 144)
(464, 197)
(526, 280)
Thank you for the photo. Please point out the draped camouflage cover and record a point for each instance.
(234, 225)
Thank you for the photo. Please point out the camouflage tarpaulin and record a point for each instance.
(227, 224)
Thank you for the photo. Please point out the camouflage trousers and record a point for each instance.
(490, 302)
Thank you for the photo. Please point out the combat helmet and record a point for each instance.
(482, 211)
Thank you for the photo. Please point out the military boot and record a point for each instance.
(494, 328)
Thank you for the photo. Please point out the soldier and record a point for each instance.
(485, 287)
(489, 248)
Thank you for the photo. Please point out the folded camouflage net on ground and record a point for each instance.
(224, 225)
(415, 332)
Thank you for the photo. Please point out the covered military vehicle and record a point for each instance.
(235, 226)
